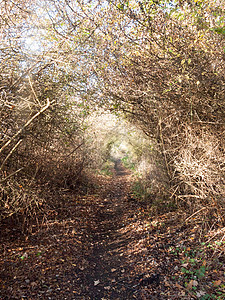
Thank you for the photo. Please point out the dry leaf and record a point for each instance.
(217, 282)
(200, 294)
(178, 286)
(96, 282)
(190, 284)
(184, 265)
(166, 283)
(195, 282)
(33, 283)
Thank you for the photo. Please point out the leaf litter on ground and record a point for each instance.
(103, 246)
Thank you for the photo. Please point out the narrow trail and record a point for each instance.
(91, 249)
(100, 246)
(110, 269)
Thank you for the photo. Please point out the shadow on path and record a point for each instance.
(92, 248)
(110, 271)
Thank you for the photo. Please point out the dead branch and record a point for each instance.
(26, 125)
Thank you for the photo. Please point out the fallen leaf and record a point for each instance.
(204, 263)
(195, 283)
(166, 283)
(200, 293)
(178, 285)
(217, 282)
(184, 265)
(33, 284)
(96, 282)
(113, 270)
(190, 284)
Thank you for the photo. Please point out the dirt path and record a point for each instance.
(90, 252)
(109, 268)
(101, 246)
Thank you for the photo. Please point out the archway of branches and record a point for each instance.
(157, 65)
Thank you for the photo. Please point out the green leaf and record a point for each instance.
(183, 270)
(200, 273)
(120, 6)
(219, 30)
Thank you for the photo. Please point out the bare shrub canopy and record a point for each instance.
(41, 139)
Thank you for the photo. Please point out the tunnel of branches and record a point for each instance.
(84, 84)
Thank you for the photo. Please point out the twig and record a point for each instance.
(10, 153)
(174, 192)
(17, 171)
(24, 74)
(37, 168)
(32, 88)
(195, 213)
(26, 125)
(188, 196)
(74, 150)
(128, 287)
(212, 237)
(164, 150)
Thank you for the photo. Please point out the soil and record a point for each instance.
(105, 246)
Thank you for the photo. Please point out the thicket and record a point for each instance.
(42, 135)
(162, 64)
